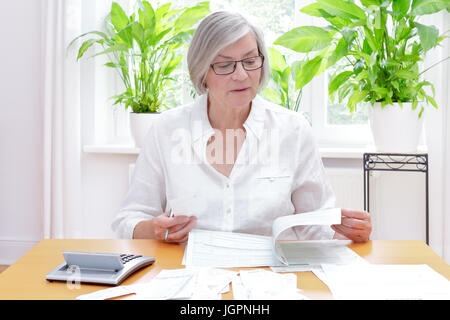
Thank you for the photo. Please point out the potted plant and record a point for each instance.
(378, 45)
(280, 89)
(145, 48)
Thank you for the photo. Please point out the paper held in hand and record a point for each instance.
(229, 249)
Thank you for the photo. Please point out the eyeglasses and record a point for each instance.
(228, 67)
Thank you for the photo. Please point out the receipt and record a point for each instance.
(168, 284)
(188, 206)
(261, 284)
(109, 293)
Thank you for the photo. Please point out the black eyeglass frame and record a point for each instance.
(235, 64)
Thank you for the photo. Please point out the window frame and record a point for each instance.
(327, 135)
(110, 124)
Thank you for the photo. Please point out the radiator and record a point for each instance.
(348, 187)
(397, 204)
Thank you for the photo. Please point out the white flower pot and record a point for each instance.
(140, 124)
(396, 129)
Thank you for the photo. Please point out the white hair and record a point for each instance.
(215, 32)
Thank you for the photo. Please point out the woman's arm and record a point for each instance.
(145, 199)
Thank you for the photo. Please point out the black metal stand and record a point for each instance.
(396, 162)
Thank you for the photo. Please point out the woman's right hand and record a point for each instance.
(179, 227)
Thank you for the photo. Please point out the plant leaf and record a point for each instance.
(401, 6)
(172, 65)
(355, 98)
(343, 9)
(285, 80)
(339, 52)
(370, 39)
(406, 74)
(101, 34)
(272, 95)
(338, 80)
(307, 72)
(433, 102)
(126, 34)
(147, 17)
(369, 3)
(86, 45)
(276, 59)
(315, 10)
(158, 37)
(191, 16)
(428, 36)
(138, 34)
(115, 48)
(118, 17)
(422, 7)
(305, 39)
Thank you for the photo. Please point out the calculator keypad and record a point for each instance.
(128, 257)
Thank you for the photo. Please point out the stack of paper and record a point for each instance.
(168, 284)
(200, 283)
(266, 285)
(319, 217)
(230, 249)
(385, 282)
(211, 283)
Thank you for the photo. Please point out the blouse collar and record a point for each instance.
(201, 127)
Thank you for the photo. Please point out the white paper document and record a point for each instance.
(187, 206)
(266, 285)
(186, 284)
(168, 284)
(109, 293)
(292, 252)
(230, 249)
(385, 282)
(315, 255)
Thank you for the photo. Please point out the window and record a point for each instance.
(331, 122)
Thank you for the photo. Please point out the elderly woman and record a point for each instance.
(229, 161)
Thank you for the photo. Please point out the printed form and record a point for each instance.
(230, 249)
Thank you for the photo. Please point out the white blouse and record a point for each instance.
(278, 172)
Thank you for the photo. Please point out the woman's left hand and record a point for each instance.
(355, 225)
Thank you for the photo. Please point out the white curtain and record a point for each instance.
(438, 139)
(61, 22)
(446, 143)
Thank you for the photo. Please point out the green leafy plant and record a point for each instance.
(378, 44)
(280, 88)
(145, 48)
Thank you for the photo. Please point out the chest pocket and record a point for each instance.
(271, 194)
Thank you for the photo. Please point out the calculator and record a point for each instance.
(98, 267)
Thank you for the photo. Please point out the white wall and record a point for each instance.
(20, 127)
(105, 183)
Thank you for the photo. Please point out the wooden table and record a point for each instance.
(25, 279)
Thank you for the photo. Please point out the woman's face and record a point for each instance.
(239, 88)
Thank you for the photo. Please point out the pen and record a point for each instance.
(167, 230)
